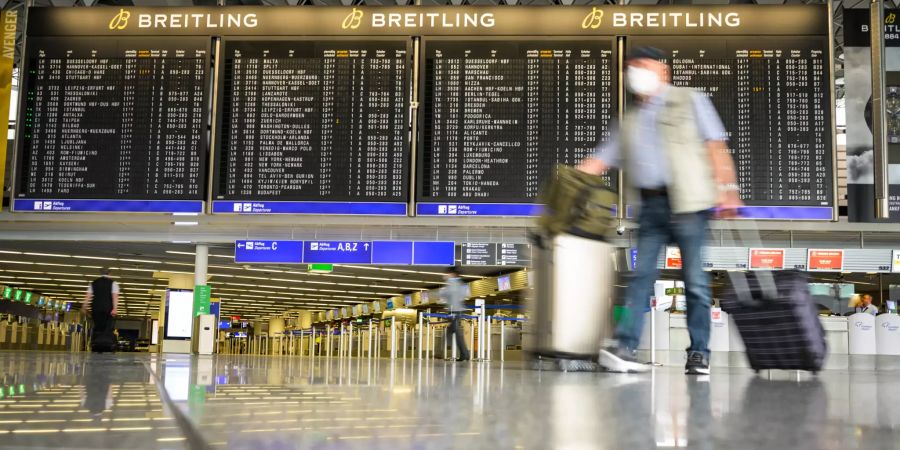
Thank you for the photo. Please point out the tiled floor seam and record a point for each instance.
(194, 438)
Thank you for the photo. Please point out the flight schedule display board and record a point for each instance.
(773, 96)
(499, 115)
(313, 126)
(113, 124)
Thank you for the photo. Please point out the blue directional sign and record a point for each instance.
(337, 252)
(434, 253)
(392, 252)
(282, 252)
(77, 205)
(633, 252)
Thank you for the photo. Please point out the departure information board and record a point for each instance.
(313, 127)
(113, 124)
(500, 115)
(773, 95)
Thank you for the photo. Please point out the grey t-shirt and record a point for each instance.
(453, 294)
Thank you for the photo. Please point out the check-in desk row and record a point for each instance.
(859, 334)
(28, 335)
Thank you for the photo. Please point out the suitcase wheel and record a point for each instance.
(575, 365)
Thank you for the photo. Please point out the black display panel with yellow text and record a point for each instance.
(773, 96)
(113, 124)
(499, 115)
(313, 126)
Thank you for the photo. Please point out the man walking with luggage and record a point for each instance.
(673, 146)
(453, 294)
(102, 299)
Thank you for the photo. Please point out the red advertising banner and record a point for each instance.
(766, 259)
(825, 260)
(673, 258)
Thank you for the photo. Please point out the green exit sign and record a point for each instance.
(321, 268)
(7, 292)
(17, 295)
(28, 297)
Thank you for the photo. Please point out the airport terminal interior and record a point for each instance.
(282, 200)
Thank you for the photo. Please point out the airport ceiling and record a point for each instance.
(62, 270)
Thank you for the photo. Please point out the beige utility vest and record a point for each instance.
(692, 187)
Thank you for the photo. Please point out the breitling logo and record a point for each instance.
(353, 20)
(593, 19)
(120, 21)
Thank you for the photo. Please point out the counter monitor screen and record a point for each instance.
(121, 120)
(498, 116)
(773, 97)
(313, 121)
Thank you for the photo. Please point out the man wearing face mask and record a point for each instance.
(673, 148)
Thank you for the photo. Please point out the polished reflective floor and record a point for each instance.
(61, 400)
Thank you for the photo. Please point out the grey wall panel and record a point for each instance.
(867, 260)
(795, 258)
(724, 258)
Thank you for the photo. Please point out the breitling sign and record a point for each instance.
(432, 20)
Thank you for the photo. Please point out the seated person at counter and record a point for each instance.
(865, 305)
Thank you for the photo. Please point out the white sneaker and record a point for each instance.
(616, 359)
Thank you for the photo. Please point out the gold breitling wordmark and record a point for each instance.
(593, 19)
(353, 20)
(120, 21)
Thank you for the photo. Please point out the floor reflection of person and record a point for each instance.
(98, 394)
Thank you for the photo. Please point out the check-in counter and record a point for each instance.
(662, 331)
(887, 334)
(836, 333)
(735, 342)
(672, 333)
(719, 331)
(4, 335)
(861, 334)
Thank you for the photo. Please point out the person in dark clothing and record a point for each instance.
(453, 294)
(102, 299)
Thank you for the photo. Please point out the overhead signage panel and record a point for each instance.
(113, 125)
(277, 252)
(432, 20)
(392, 252)
(509, 254)
(478, 254)
(337, 252)
(782, 147)
(434, 253)
(328, 147)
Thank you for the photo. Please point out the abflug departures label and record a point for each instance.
(113, 125)
(773, 97)
(313, 127)
(500, 115)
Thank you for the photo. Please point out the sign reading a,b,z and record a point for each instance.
(337, 252)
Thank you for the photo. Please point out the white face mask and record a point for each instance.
(642, 81)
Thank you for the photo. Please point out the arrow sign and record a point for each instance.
(337, 252)
(279, 252)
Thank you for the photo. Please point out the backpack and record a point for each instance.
(577, 203)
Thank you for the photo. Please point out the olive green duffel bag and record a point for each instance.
(577, 203)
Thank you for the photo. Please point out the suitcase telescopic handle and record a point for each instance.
(750, 238)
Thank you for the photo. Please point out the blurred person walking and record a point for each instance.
(102, 299)
(453, 294)
(673, 146)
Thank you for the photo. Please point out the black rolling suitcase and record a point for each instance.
(777, 320)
